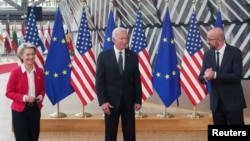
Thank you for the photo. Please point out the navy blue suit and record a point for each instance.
(121, 91)
(226, 93)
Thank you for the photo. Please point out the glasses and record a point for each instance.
(209, 39)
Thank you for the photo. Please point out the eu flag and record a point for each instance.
(58, 64)
(218, 22)
(166, 75)
(108, 43)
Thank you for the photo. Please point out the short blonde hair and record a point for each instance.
(23, 46)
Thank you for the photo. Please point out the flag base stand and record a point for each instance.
(194, 115)
(83, 115)
(165, 115)
(210, 115)
(139, 114)
(58, 115)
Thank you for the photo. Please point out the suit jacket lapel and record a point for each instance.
(127, 60)
(114, 60)
(213, 60)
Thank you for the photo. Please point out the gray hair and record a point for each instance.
(114, 32)
(24, 46)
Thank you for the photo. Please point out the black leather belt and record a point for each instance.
(31, 103)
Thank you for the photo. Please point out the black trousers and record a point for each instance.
(128, 123)
(223, 117)
(26, 124)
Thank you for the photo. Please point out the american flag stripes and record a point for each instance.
(48, 36)
(32, 36)
(42, 35)
(191, 64)
(139, 45)
(84, 64)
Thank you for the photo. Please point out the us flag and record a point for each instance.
(192, 63)
(83, 64)
(48, 38)
(32, 36)
(139, 45)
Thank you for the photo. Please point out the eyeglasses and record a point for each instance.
(208, 39)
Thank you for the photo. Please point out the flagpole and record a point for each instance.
(219, 2)
(194, 114)
(58, 114)
(165, 114)
(83, 114)
(7, 53)
(139, 114)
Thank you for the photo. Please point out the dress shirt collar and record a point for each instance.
(117, 51)
(24, 70)
(222, 50)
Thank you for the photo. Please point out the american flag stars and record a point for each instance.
(139, 41)
(83, 64)
(83, 40)
(193, 41)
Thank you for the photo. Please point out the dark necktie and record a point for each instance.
(217, 60)
(120, 62)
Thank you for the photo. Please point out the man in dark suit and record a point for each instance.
(118, 87)
(225, 72)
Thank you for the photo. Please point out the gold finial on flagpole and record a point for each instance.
(84, 3)
(219, 3)
(194, 3)
(167, 2)
(139, 2)
(32, 3)
(112, 5)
